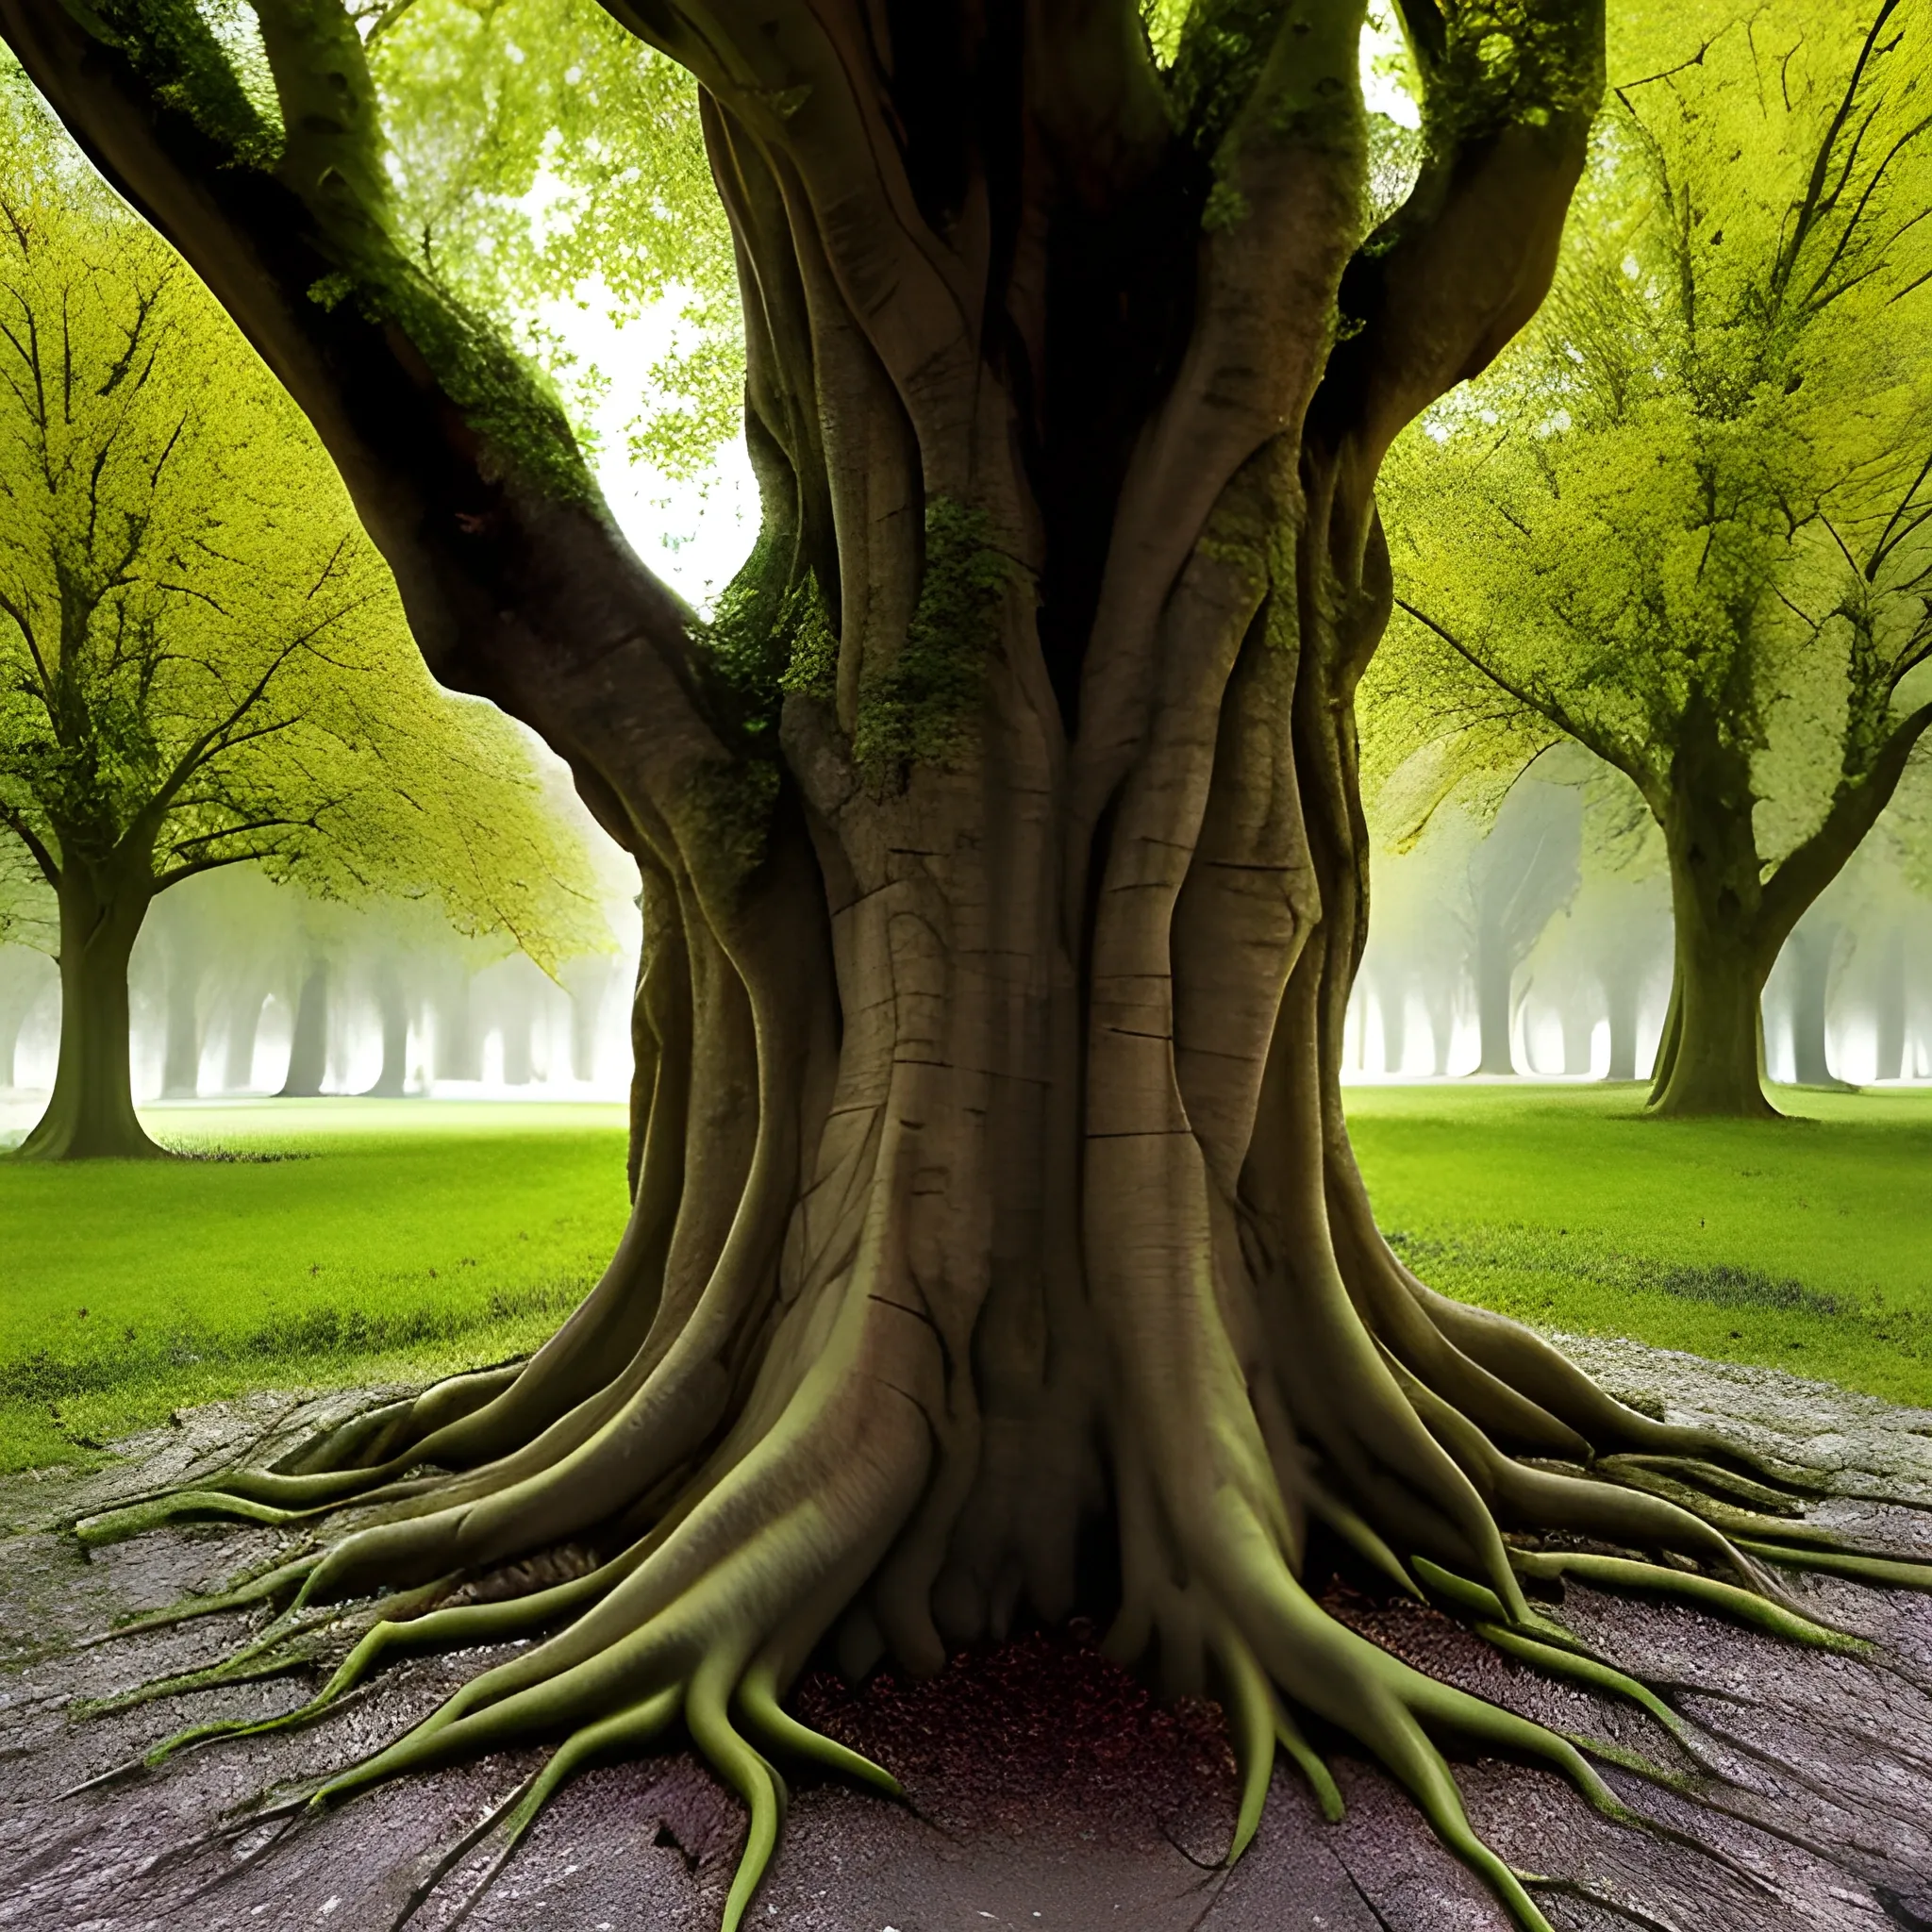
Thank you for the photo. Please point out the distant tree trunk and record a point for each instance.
(1620, 1001)
(1579, 1036)
(181, 1054)
(394, 1011)
(244, 1027)
(589, 986)
(13, 1019)
(1438, 1003)
(1496, 974)
(457, 1051)
(517, 1066)
(90, 1112)
(1889, 1007)
(308, 1042)
(1812, 948)
(1393, 1000)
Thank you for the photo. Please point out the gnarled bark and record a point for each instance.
(991, 1180)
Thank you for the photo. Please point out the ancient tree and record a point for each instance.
(1003, 869)
(1686, 521)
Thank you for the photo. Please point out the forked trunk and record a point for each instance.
(90, 1114)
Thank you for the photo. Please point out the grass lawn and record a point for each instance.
(407, 1238)
(404, 1238)
(1805, 1242)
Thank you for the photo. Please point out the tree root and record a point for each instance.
(1744, 1606)
(1900, 1572)
(260, 1589)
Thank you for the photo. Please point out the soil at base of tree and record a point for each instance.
(1047, 1789)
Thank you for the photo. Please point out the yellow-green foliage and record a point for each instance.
(201, 654)
(539, 152)
(1695, 487)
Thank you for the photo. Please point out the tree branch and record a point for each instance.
(1545, 705)
(36, 847)
(1445, 283)
(1807, 869)
(513, 590)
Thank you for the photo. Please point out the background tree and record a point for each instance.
(201, 661)
(1687, 520)
(1002, 859)
(1520, 875)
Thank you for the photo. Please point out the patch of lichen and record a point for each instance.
(505, 400)
(917, 710)
(175, 50)
(727, 814)
(771, 633)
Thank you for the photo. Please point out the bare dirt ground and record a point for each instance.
(1046, 1789)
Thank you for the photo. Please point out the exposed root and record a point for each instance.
(1747, 1607)
(1596, 1675)
(261, 1589)
(1899, 1573)
(627, 1730)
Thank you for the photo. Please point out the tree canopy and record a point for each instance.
(202, 659)
(1687, 519)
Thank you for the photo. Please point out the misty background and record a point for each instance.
(1537, 946)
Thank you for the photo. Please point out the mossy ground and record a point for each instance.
(407, 1240)
(1805, 1242)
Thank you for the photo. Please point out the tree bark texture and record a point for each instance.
(90, 1114)
(1004, 883)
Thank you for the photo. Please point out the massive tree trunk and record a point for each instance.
(1004, 884)
(90, 1114)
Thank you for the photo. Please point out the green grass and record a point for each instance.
(403, 1240)
(409, 1239)
(1805, 1242)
